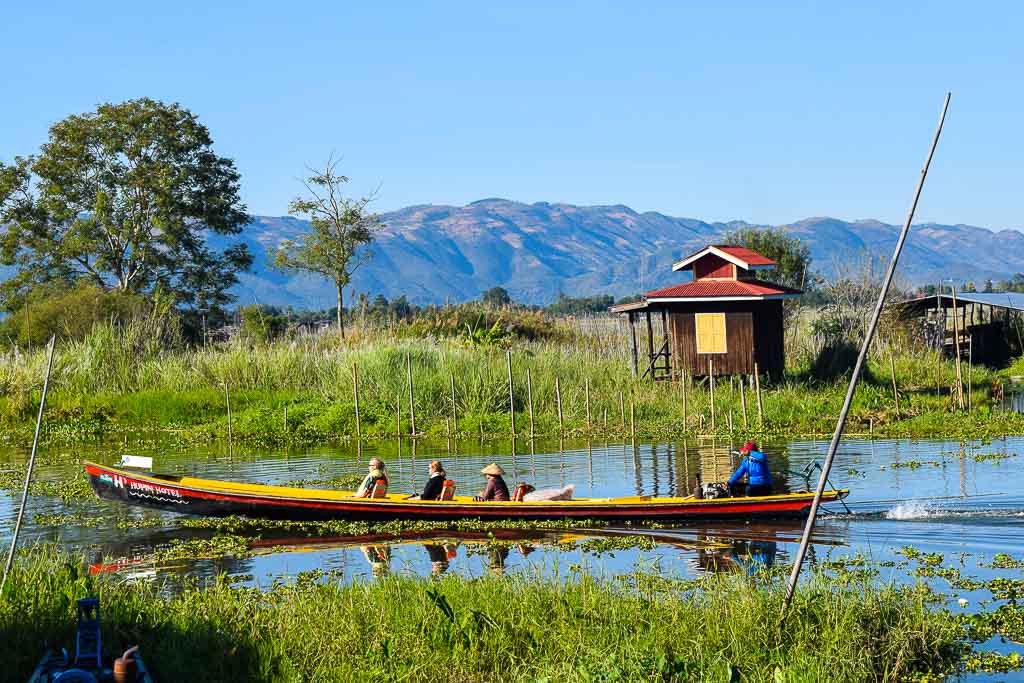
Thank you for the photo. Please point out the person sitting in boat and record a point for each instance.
(376, 473)
(434, 486)
(755, 466)
(496, 489)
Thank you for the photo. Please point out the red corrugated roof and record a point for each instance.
(713, 288)
(748, 255)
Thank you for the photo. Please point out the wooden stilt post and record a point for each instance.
(632, 339)
(970, 373)
(650, 345)
(956, 346)
(711, 386)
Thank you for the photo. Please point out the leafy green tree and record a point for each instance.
(124, 197)
(340, 230)
(792, 257)
(496, 296)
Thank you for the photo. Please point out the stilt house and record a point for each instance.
(725, 321)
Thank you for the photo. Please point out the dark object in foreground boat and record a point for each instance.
(213, 498)
(88, 664)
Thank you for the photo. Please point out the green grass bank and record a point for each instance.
(509, 628)
(304, 390)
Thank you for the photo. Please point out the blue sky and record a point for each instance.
(714, 111)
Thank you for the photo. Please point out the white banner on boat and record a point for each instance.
(137, 461)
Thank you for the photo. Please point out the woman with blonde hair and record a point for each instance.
(376, 472)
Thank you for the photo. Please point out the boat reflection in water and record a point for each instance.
(691, 549)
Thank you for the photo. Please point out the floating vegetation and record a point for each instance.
(1004, 561)
(98, 521)
(194, 549)
(915, 464)
(76, 487)
(993, 457)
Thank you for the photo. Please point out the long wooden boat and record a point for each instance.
(189, 495)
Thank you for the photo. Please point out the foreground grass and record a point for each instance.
(646, 628)
(303, 390)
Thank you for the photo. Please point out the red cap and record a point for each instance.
(748, 446)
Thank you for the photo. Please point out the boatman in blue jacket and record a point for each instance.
(755, 466)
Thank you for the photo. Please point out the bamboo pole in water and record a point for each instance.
(558, 401)
(529, 398)
(851, 390)
(227, 402)
(586, 389)
(511, 395)
(895, 389)
(412, 396)
(30, 468)
(757, 389)
(455, 416)
(743, 402)
(355, 394)
(622, 411)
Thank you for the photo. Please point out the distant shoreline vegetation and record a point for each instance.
(570, 377)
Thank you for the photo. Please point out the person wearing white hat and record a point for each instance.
(496, 489)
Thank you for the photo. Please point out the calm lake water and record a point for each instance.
(960, 499)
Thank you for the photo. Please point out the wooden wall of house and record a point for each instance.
(754, 332)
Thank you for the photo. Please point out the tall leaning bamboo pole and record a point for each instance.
(855, 377)
(31, 466)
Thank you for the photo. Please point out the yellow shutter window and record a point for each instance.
(711, 333)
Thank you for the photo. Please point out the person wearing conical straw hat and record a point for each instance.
(496, 489)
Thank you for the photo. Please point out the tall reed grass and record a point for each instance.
(302, 388)
(496, 628)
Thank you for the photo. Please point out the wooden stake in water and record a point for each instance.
(743, 402)
(558, 401)
(529, 398)
(586, 388)
(412, 397)
(895, 389)
(683, 384)
(398, 416)
(511, 396)
(355, 394)
(227, 402)
(632, 418)
(31, 467)
(757, 389)
(855, 376)
(622, 411)
(455, 417)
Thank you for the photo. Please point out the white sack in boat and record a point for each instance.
(564, 493)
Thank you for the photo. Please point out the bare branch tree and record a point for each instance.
(340, 231)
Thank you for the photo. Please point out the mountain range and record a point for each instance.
(434, 253)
